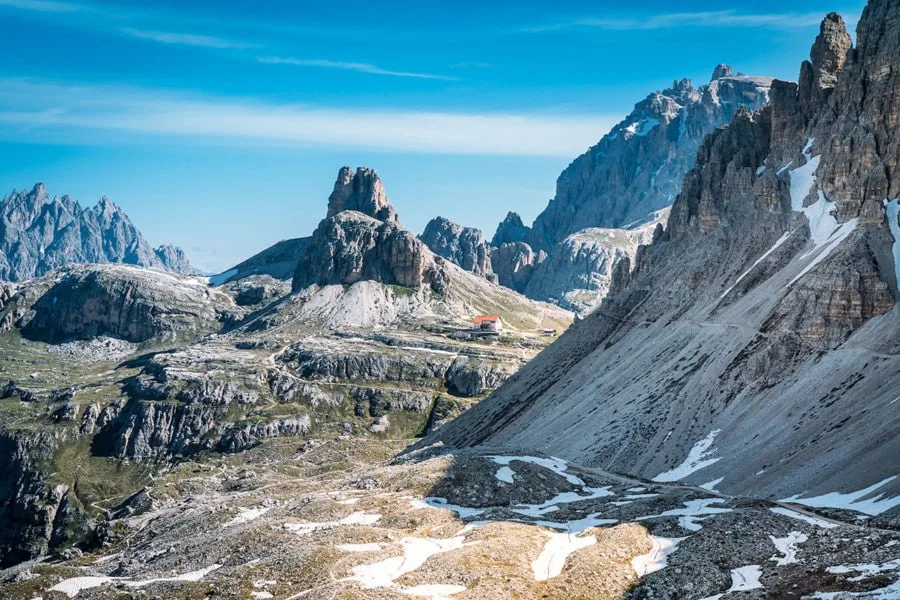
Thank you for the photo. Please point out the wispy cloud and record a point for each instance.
(687, 19)
(48, 6)
(348, 66)
(67, 112)
(185, 39)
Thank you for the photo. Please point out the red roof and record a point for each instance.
(489, 318)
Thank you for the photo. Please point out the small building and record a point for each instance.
(489, 322)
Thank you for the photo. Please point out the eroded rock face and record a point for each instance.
(34, 517)
(819, 75)
(578, 272)
(510, 230)
(39, 233)
(761, 322)
(123, 302)
(637, 168)
(471, 378)
(464, 246)
(362, 192)
(350, 247)
(514, 264)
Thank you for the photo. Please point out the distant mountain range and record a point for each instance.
(40, 233)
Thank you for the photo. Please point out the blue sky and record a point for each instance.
(220, 126)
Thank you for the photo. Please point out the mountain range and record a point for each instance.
(40, 233)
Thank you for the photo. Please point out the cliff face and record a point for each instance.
(117, 301)
(350, 247)
(578, 272)
(463, 246)
(39, 233)
(759, 330)
(637, 168)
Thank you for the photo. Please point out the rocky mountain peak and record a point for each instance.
(361, 191)
(721, 71)
(819, 75)
(464, 246)
(638, 166)
(510, 230)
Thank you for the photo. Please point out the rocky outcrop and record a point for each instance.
(245, 435)
(174, 259)
(39, 233)
(34, 516)
(143, 430)
(122, 302)
(361, 192)
(469, 378)
(463, 246)
(578, 272)
(510, 230)
(756, 339)
(638, 166)
(514, 264)
(353, 364)
(350, 247)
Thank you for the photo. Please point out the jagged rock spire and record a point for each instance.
(721, 71)
(819, 75)
(363, 192)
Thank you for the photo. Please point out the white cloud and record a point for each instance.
(348, 66)
(689, 19)
(184, 39)
(59, 111)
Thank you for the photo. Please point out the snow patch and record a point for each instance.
(557, 465)
(698, 458)
(550, 562)
(853, 500)
(191, 577)
(764, 256)
(505, 474)
(416, 551)
(462, 512)
(640, 128)
(245, 515)
(693, 512)
(711, 485)
(71, 587)
(824, 228)
(742, 579)
(892, 209)
(357, 518)
(792, 514)
(865, 570)
(656, 558)
(787, 546)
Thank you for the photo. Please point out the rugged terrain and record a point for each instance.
(109, 372)
(337, 519)
(40, 233)
(754, 344)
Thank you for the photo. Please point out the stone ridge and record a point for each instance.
(39, 233)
